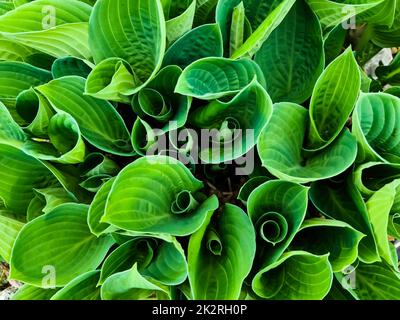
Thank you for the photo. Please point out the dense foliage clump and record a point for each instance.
(199, 149)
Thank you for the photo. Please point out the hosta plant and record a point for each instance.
(200, 149)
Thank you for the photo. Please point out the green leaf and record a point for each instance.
(57, 247)
(143, 137)
(379, 207)
(280, 148)
(16, 77)
(20, 175)
(366, 81)
(9, 229)
(377, 282)
(160, 105)
(10, 132)
(46, 200)
(388, 36)
(201, 42)
(372, 176)
(257, 11)
(145, 192)
(249, 187)
(277, 210)
(334, 41)
(130, 30)
(220, 255)
(334, 97)
(93, 184)
(97, 164)
(213, 78)
(70, 66)
(36, 112)
(130, 285)
(112, 79)
(343, 202)
(332, 13)
(160, 260)
(297, 275)
(70, 39)
(390, 74)
(69, 177)
(223, 17)
(98, 121)
(178, 26)
(338, 292)
(83, 287)
(376, 127)
(44, 14)
(381, 15)
(65, 144)
(262, 33)
(237, 28)
(6, 6)
(60, 126)
(249, 111)
(12, 51)
(394, 225)
(97, 208)
(292, 59)
(336, 238)
(28, 292)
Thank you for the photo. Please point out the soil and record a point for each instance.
(7, 288)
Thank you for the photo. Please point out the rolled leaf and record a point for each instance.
(36, 112)
(70, 66)
(112, 79)
(130, 30)
(336, 238)
(333, 100)
(239, 122)
(46, 200)
(297, 275)
(130, 285)
(21, 174)
(220, 255)
(379, 207)
(16, 77)
(149, 187)
(97, 209)
(277, 210)
(98, 121)
(213, 78)
(280, 148)
(160, 260)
